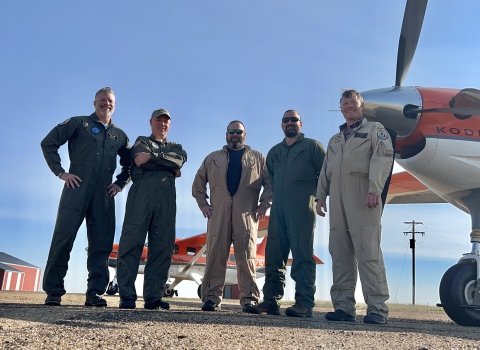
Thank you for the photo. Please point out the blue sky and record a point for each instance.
(210, 62)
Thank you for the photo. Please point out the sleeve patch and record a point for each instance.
(64, 122)
(382, 135)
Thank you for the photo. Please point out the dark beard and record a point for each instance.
(291, 132)
(235, 144)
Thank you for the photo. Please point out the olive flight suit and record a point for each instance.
(352, 169)
(151, 207)
(294, 172)
(232, 221)
(93, 151)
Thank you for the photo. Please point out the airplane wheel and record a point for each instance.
(168, 293)
(112, 289)
(199, 291)
(457, 288)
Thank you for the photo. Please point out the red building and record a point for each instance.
(19, 275)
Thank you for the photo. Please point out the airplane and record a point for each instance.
(189, 261)
(436, 133)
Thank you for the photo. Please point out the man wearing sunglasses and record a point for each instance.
(235, 175)
(294, 165)
(357, 165)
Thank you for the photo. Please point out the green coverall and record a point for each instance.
(293, 173)
(93, 150)
(151, 207)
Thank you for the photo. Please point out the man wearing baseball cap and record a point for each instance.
(151, 208)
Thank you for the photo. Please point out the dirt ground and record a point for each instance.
(25, 323)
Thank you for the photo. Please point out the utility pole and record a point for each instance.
(412, 247)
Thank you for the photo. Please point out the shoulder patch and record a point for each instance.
(64, 122)
(382, 134)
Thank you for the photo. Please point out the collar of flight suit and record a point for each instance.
(344, 126)
(94, 117)
(299, 139)
(165, 141)
(247, 148)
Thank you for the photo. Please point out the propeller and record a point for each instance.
(411, 28)
(451, 110)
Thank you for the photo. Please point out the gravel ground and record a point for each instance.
(25, 323)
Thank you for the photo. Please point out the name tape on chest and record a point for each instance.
(112, 136)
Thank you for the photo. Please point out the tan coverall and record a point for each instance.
(351, 170)
(232, 221)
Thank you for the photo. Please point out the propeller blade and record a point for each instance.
(451, 110)
(411, 28)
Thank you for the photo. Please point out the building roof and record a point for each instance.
(8, 259)
(8, 268)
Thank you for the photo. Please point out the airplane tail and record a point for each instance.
(261, 247)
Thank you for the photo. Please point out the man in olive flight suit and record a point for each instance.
(93, 145)
(151, 207)
(294, 165)
(235, 175)
(358, 162)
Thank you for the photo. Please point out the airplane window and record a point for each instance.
(191, 251)
(232, 257)
(175, 250)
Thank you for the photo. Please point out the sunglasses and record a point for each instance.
(290, 119)
(235, 131)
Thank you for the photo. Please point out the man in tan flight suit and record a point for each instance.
(356, 167)
(235, 175)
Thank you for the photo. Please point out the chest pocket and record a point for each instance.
(217, 173)
(361, 154)
(250, 173)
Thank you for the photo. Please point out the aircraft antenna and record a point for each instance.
(412, 247)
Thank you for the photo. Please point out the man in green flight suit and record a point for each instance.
(294, 166)
(93, 145)
(151, 207)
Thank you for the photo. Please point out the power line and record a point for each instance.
(448, 239)
(401, 272)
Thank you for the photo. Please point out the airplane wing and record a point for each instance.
(406, 189)
(197, 241)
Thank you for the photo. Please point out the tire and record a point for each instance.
(199, 291)
(112, 289)
(457, 288)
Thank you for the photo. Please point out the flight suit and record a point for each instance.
(151, 207)
(351, 170)
(294, 174)
(93, 151)
(232, 221)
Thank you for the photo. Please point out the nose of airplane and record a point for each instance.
(388, 106)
